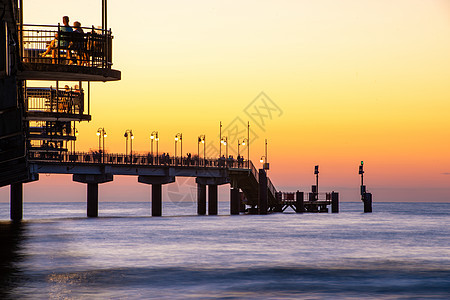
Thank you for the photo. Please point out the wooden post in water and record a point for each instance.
(16, 201)
(212, 199)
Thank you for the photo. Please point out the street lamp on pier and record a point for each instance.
(224, 141)
(179, 137)
(202, 140)
(243, 143)
(154, 136)
(101, 133)
(264, 158)
(129, 134)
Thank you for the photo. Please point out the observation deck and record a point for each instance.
(50, 53)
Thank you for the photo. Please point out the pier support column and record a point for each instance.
(156, 200)
(201, 199)
(212, 183)
(156, 194)
(334, 202)
(367, 202)
(92, 180)
(16, 201)
(92, 200)
(242, 207)
(263, 195)
(212, 199)
(235, 201)
(299, 202)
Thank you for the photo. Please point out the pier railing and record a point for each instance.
(139, 159)
(69, 101)
(93, 48)
(290, 197)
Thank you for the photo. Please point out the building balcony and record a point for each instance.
(52, 104)
(48, 53)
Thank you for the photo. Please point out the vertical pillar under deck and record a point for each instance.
(16, 201)
(92, 200)
(156, 200)
(263, 197)
(235, 201)
(299, 202)
(212, 199)
(201, 199)
(334, 202)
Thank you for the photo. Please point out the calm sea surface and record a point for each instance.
(401, 251)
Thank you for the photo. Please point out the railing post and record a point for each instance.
(59, 43)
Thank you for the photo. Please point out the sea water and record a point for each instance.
(400, 251)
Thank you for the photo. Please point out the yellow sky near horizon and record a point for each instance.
(355, 80)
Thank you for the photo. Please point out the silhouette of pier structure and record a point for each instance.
(38, 116)
(251, 190)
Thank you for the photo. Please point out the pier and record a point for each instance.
(38, 126)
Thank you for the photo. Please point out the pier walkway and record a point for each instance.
(249, 186)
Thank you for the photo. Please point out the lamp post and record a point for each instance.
(266, 164)
(179, 137)
(224, 141)
(243, 143)
(201, 139)
(154, 136)
(220, 142)
(101, 133)
(129, 134)
(248, 144)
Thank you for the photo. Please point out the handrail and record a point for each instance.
(91, 49)
(136, 159)
(290, 196)
(271, 187)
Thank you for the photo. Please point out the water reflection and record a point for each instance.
(12, 237)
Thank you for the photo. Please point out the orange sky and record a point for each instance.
(352, 80)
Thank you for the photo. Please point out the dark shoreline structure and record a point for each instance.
(38, 134)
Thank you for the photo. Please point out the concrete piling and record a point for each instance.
(156, 200)
(212, 199)
(92, 200)
(16, 201)
(201, 199)
(235, 201)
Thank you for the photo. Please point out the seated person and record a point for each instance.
(53, 47)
